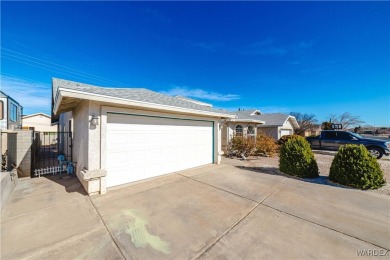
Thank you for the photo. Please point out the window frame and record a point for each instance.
(251, 135)
(13, 111)
(242, 130)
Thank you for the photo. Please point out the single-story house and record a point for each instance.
(252, 122)
(315, 130)
(121, 135)
(38, 122)
(10, 113)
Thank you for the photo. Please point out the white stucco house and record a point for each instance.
(252, 122)
(121, 135)
(38, 122)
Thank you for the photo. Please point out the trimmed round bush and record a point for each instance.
(297, 158)
(354, 166)
(282, 140)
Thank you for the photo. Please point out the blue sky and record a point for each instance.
(311, 57)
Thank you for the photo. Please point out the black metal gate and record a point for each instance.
(46, 148)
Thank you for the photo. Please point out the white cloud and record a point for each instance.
(33, 96)
(201, 94)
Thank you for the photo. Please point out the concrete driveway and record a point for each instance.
(210, 212)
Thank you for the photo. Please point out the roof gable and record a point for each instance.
(36, 114)
(271, 119)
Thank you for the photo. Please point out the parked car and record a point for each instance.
(332, 140)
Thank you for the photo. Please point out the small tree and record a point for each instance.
(354, 166)
(326, 126)
(297, 158)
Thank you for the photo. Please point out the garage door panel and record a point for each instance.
(140, 147)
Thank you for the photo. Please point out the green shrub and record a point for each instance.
(354, 166)
(297, 159)
(265, 145)
(285, 138)
(242, 145)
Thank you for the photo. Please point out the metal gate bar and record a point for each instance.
(47, 146)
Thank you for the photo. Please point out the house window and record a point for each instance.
(13, 113)
(239, 130)
(251, 131)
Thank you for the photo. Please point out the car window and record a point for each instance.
(329, 135)
(344, 136)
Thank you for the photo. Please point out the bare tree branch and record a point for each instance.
(305, 122)
(346, 119)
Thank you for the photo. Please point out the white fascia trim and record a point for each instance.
(96, 97)
(36, 114)
(57, 102)
(246, 120)
(294, 121)
(269, 125)
(254, 112)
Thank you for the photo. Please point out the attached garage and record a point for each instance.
(123, 135)
(140, 147)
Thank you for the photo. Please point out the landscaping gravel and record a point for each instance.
(270, 165)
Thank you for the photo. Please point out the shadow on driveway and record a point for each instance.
(322, 180)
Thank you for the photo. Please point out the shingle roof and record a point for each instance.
(194, 100)
(134, 94)
(272, 119)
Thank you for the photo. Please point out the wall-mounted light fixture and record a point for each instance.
(221, 123)
(95, 120)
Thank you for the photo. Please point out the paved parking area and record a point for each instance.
(222, 211)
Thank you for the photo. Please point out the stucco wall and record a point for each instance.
(94, 144)
(270, 131)
(19, 152)
(40, 123)
(3, 142)
(81, 137)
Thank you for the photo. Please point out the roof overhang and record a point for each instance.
(67, 100)
(293, 121)
(245, 120)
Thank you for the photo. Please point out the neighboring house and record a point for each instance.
(10, 113)
(121, 135)
(38, 122)
(252, 122)
(314, 131)
(242, 125)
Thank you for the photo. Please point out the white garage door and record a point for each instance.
(285, 132)
(140, 147)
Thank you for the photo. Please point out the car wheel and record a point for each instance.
(376, 152)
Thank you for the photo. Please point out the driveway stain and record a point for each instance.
(140, 236)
